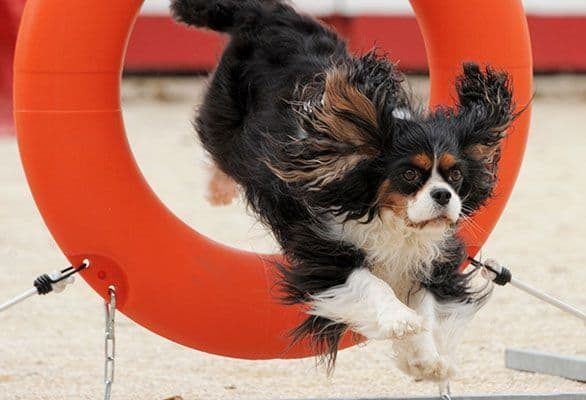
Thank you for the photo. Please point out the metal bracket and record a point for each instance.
(569, 367)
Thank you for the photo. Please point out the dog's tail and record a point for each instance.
(224, 15)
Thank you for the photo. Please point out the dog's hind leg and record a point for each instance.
(222, 189)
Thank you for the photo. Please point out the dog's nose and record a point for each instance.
(441, 196)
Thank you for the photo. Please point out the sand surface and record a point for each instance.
(51, 348)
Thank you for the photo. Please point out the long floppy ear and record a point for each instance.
(486, 110)
(339, 131)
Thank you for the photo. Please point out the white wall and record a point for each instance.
(550, 7)
(352, 7)
(319, 7)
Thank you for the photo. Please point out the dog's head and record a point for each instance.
(364, 151)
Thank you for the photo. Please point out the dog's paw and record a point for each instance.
(222, 189)
(401, 324)
(432, 368)
(427, 367)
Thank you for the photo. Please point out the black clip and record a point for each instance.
(503, 276)
(44, 283)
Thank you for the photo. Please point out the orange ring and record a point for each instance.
(97, 204)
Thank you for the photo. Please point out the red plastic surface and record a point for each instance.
(96, 203)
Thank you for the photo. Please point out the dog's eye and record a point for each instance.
(411, 175)
(455, 175)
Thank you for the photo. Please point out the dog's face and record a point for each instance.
(365, 152)
(433, 174)
(423, 188)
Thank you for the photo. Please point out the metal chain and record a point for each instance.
(445, 391)
(109, 342)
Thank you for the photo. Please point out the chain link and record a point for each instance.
(445, 391)
(109, 342)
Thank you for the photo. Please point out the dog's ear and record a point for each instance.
(339, 130)
(485, 110)
(484, 113)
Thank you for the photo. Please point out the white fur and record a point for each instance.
(402, 113)
(373, 301)
(424, 208)
(418, 355)
(376, 302)
(452, 317)
(369, 306)
(429, 354)
(397, 251)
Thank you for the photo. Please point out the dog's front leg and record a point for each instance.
(369, 306)
(429, 355)
(418, 355)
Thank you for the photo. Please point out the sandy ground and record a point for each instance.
(51, 348)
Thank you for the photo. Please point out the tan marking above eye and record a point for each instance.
(447, 161)
(422, 161)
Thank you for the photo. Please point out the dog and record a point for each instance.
(362, 189)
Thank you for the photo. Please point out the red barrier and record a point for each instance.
(10, 11)
(97, 204)
(557, 40)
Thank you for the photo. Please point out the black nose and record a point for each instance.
(441, 196)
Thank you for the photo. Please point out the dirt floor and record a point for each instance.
(52, 348)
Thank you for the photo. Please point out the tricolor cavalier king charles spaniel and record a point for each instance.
(362, 190)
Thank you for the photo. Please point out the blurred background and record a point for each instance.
(158, 45)
(52, 347)
(558, 29)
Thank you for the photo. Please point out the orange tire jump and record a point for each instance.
(92, 196)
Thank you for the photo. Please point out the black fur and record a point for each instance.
(268, 87)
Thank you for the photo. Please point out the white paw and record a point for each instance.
(429, 367)
(399, 325)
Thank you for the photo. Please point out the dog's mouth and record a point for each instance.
(441, 221)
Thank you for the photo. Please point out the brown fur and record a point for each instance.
(395, 201)
(447, 161)
(339, 98)
(422, 161)
(482, 152)
(329, 170)
(344, 143)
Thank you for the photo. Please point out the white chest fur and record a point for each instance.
(398, 254)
